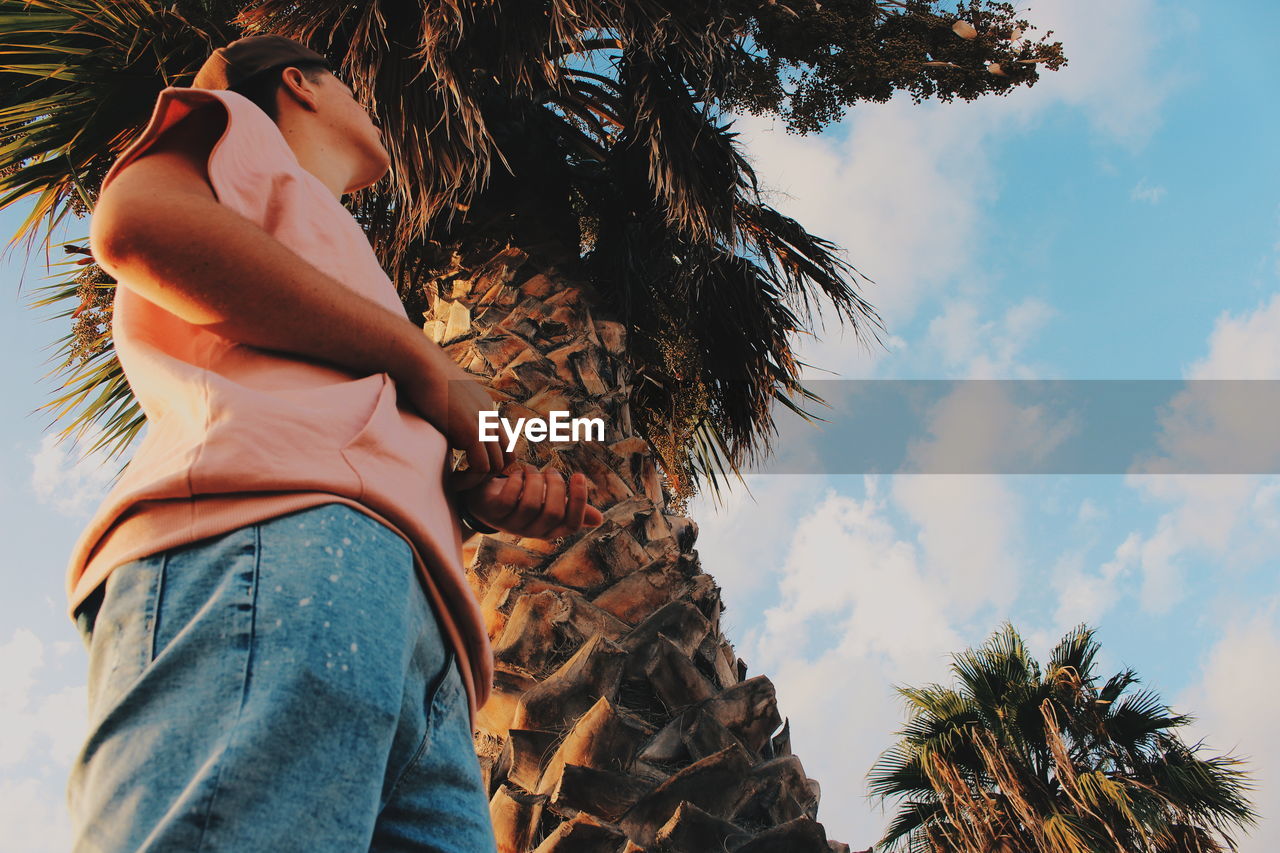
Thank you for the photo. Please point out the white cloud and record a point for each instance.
(858, 612)
(1111, 74)
(743, 542)
(1227, 518)
(1086, 596)
(1089, 511)
(870, 594)
(969, 532)
(907, 189)
(978, 429)
(34, 816)
(901, 194)
(987, 348)
(1244, 346)
(1217, 426)
(879, 592)
(847, 563)
(1224, 519)
(67, 480)
(36, 721)
(1236, 704)
(44, 725)
(1149, 194)
(845, 607)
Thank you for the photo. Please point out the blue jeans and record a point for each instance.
(284, 686)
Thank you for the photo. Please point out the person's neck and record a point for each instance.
(318, 156)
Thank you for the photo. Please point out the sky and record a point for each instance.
(1117, 221)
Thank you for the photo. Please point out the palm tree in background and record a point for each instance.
(1014, 758)
(570, 214)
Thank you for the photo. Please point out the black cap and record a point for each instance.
(232, 65)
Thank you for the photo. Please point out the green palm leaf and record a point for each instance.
(1048, 763)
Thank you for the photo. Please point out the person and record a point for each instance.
(284, 653)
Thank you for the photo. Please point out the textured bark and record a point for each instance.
(621, 718)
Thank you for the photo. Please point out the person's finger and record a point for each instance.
(504, 459)
(493, 500)
(531, 497)
(498, 460)
(480, 460)
(505, 497)
(575, 507)
(553, 504)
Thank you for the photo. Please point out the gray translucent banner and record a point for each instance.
(1016, 426)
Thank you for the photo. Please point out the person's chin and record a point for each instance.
(372, 177)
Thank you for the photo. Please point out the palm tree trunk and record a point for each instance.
(621, 718)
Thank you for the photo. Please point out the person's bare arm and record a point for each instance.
(159, 225)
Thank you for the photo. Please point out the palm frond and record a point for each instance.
(77, 78)
(907, 823)
(542, 124)
(94, 397)
(1047, 763)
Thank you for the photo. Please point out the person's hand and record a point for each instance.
(537, 504)
(447, 396)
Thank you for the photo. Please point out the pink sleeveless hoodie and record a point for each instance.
(236, 435)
